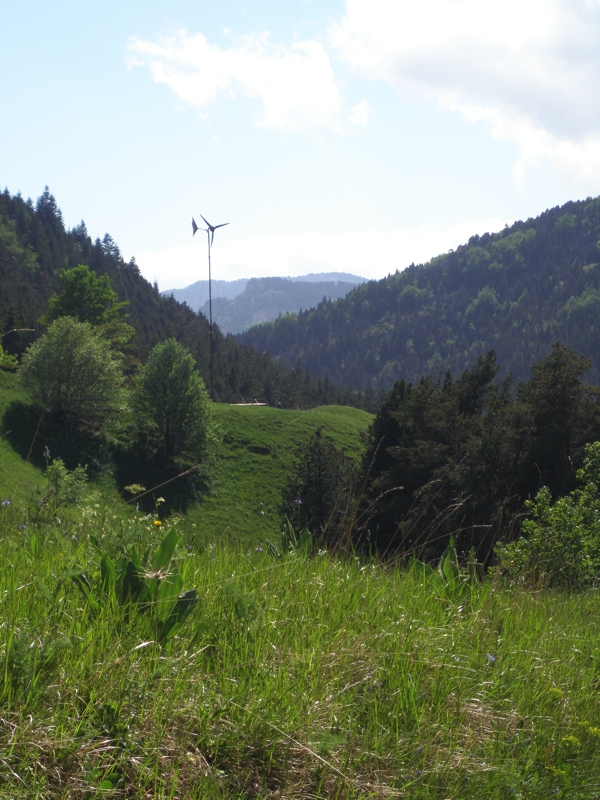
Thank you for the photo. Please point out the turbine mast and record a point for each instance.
(210, 231)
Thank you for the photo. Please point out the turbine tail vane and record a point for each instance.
(194, 227)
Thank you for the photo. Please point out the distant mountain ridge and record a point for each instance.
(239, 304)
(515, 292)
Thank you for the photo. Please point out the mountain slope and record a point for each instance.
(516, 291)
(35, 247)
(264, 299)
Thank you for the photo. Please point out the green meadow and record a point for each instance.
(145, 655)
(258, 450)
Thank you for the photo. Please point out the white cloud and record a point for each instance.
(530, 69)
(361, 113)
(295, 85)
(370, 253)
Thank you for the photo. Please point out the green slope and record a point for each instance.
(17, 478)
(258, 450)
(516, 292)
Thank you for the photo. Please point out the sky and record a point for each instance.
(332, 135)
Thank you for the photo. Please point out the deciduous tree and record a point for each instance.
(174, 406)
(73, 373)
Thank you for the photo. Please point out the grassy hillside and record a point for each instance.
(16, 476)
(258, 449)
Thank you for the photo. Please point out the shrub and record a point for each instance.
(561, 546)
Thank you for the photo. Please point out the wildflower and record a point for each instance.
(262, 513)
(157, 522)
(46, 453)
(22, 526)
(491, 658)
(593, 731)
(298, 501)
(571, 740)
(555, 691)
(5, 503)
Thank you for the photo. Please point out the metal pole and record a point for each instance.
(212, 395)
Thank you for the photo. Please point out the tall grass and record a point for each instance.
(294, 677)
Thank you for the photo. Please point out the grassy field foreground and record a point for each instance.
(293, 677)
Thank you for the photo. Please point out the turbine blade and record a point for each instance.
(222, 225)
(194, 227)
(212, 238)
(207, 222)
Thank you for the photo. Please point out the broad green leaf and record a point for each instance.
(80, 580)
(419, 568)
(168, 594)
(165, 551)
(184, 605)
(108, 572)
(304, 544)
(449, 564)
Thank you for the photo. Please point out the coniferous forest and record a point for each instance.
(515, 292)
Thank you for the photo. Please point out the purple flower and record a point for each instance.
(490, 657)
(5, 503)
(46, 453)
(22, 526)
(298, 501)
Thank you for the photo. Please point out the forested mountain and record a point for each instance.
(515, 292)
(239, 304)
(264, 299)
(196, 294)
(35, 247)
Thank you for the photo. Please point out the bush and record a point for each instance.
(561, 546)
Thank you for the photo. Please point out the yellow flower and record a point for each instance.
(593, 731)
(555, 691)
(571, 740)
(157, 522)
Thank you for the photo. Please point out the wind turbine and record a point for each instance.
(210, 230)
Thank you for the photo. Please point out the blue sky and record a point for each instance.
(355, 135)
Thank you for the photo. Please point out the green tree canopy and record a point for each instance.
(318, 494)
(175, 407)
(73, 374)
(85, 296)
